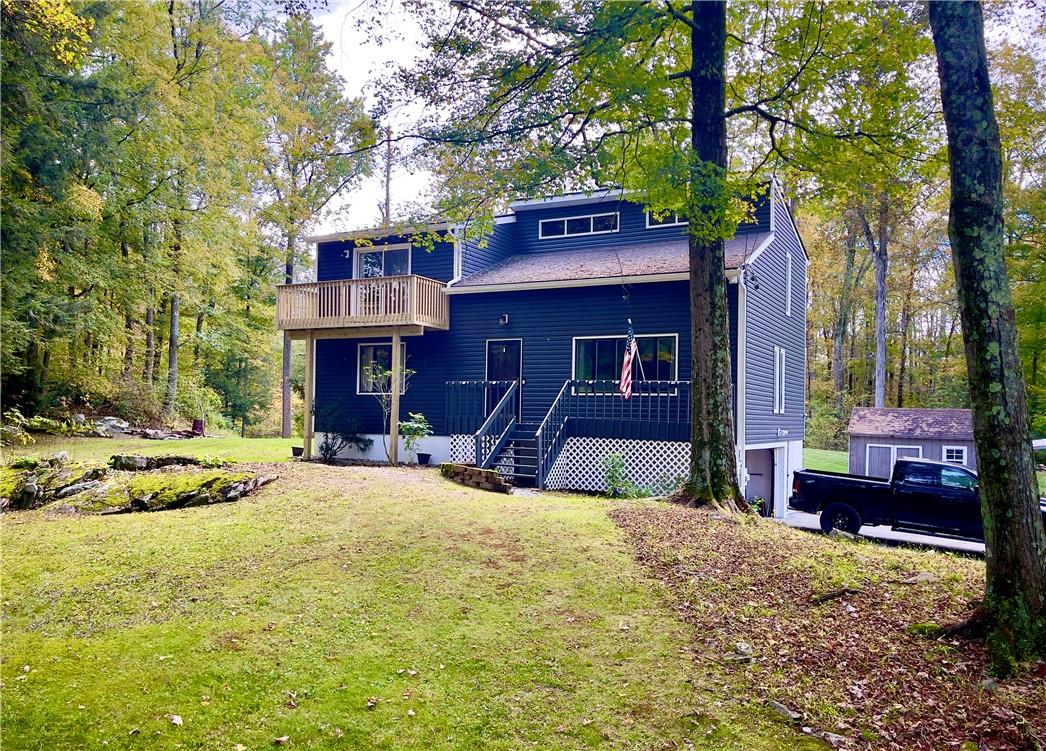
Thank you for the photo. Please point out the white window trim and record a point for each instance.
(788, 282)
(677, 223)
(380, 249)
(565, 219)
(946, 449)
(359, 362)
(893, 453)
(780, 380)
(573, 355)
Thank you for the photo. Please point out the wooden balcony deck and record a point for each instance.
(386, 301)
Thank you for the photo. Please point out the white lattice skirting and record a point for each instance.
(463, 449)
(652, 465)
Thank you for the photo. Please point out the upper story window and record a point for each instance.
(671, 219)
(382, 260)
(788, 284)
(571, 226)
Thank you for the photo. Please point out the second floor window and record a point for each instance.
(671, 219)
(379, 261)
(593, 224)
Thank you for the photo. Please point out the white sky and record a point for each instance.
(361, 62)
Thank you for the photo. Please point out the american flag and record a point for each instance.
(626, 364)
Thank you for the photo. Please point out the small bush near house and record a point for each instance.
(413, 430)
(615, 476)
(339, 432)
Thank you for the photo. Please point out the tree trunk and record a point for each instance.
(172, 337)
(713, 459)
(906, 324)
(839, 335)
(1015, 557)
(150, 345)
(285, 383)
(881, 260)
(196, 340)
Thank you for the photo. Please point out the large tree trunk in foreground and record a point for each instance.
(1015, 591)
(713, 460)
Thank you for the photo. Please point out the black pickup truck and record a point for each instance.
(922, 496)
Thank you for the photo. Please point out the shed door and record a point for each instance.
(880, 458)
(879, 461)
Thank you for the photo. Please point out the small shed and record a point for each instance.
(881, 436)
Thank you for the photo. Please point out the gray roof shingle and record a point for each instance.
(598, 263)
(955, 424)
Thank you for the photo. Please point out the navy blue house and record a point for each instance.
(514, 344)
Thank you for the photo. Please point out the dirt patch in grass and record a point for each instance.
(864, 664)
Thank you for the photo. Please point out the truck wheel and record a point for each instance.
(841, 516)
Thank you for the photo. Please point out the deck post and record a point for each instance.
(394, 418)
(310, 378)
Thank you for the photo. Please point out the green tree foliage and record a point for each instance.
(139, 257)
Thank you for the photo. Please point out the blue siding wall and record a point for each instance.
(499, 246)
(546, 320)
(437, 263)
(767, 327)
(632, 229)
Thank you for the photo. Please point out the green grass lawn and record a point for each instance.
(100, 449)
(465, 619)
(838, 461)
(829, 461)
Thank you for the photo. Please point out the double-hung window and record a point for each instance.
(601, 358)
(779, 380)
(374, 366)
(593, 224)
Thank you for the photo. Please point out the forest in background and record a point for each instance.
(161, 163)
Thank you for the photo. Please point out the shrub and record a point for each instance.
(615, 476)
(339, 432)
(413, 430)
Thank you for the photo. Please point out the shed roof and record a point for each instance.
(886, 422)
(667, 257)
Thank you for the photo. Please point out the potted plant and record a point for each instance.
(413, 430)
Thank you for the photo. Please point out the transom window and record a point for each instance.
(393, 260)
(593, 224)
(599, 359)
(671, 219)
(374, 365)
(955, 454)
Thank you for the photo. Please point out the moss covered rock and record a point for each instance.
(162, 490)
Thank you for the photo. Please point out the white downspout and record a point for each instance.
(742, 364)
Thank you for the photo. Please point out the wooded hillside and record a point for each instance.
(153, 170)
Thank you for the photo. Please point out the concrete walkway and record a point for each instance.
(885, 535)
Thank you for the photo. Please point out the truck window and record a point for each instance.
(954, 478)
(920, 474)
